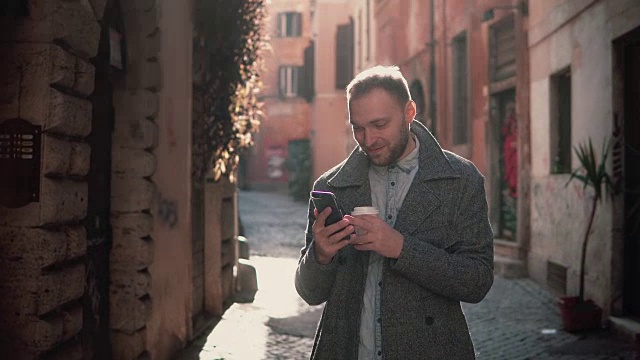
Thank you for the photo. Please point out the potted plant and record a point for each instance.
(578, 313)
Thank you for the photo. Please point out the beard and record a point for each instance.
(395, 150)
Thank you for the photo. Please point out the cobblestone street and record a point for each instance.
(517, 319)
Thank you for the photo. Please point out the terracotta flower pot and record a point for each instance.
(579, 315)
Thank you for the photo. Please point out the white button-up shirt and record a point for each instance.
(389, 186)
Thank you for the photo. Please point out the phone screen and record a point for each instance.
(322, 200)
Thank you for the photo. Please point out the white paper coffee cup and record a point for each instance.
(363, 210)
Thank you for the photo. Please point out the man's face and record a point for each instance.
(381, 126)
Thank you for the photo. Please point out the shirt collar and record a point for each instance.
(407, 164)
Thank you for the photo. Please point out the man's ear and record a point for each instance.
(410, 111)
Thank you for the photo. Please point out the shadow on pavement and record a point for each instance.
(594, 343)
(303, 324)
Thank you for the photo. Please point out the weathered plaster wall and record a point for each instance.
(285, 118)
(579, 35)
(362, 13)
(329, 117)
(284, 121)
(169, 325)
(403, 37)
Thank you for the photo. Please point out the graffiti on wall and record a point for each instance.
(276, 158)
(168, 212)
(509, 171)
(510, 152)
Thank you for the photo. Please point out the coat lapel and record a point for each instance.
(421, 201)
(351, 181)
(417, 206)
(352, 188)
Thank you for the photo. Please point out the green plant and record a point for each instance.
(591, 173)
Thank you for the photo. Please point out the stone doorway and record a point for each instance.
(626, 175)
(631, 155)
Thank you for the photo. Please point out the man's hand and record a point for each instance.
(330, 239)
(379, 236)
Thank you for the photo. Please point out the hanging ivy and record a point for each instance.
(233, 36)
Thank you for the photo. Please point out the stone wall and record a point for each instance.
(132, 192)
(47, 78)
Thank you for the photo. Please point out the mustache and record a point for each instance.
(373, 146)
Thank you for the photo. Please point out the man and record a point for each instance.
(395, 292)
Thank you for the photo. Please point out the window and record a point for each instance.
(289, 80)
(289, 24)
(560, 126)
(502, 60)
(344, 54)
(460, 90)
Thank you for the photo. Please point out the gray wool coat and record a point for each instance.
(447, 257)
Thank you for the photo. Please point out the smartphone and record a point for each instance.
(322, 200)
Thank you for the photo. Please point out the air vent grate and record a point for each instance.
(557, 278)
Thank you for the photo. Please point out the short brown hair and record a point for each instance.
(388, 78)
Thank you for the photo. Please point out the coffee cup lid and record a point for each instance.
(364, 210)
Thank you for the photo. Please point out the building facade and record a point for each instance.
(281, 155)
(499, 79)
(103, 251)
(467, 67)
(334, 64)
(584, 85)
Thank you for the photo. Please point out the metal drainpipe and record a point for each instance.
(432, 72)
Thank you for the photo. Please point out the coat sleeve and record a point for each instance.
(313, 281)
(464, 270)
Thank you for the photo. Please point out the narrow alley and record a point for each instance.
(145, 143)
(517, 320)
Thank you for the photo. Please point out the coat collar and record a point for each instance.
(433, 163)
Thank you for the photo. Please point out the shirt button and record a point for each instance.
(379, 283)
(389, 216)
(379, 320)
(379, 353)
(393, 183)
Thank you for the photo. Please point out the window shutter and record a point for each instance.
(307, 78)
(344, 55)
(282, 81)
(279, 28)
(297, 31)
(503, 50)
(301, 81)
(288, 20)
(460, 90)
